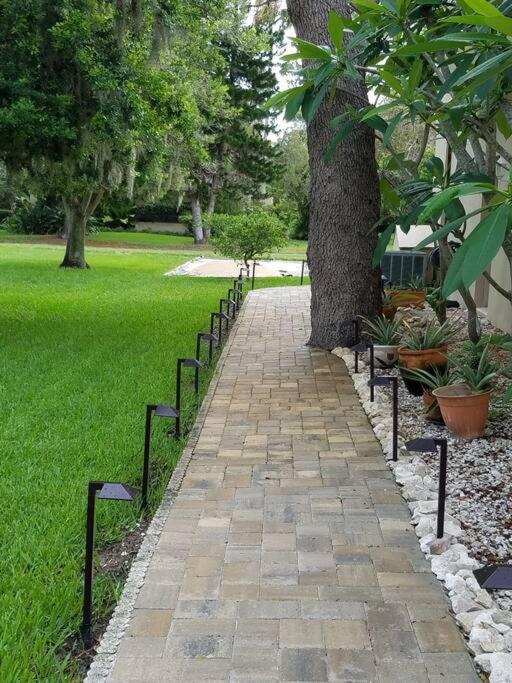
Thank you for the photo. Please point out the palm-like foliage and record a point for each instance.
(432, 336)
(383, 331)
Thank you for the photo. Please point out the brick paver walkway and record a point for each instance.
(288, 554)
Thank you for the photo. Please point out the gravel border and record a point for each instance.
(485, 624)
(103, 663)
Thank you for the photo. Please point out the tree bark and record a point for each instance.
(344, 201)
(207, 229)
(197, 222)
(76, 221)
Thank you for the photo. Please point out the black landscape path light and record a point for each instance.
(255, 263)
(187, 363)
(230, 308)
(210, 338)
(386, 381)
(362, 347)
(234, 295)
(220, 317)
(428, 445)
(105, 491)
(242, 271)
(302, 272)
(159, 411)
(495, 577)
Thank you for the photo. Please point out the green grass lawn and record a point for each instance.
(183, 244)
(82, 353)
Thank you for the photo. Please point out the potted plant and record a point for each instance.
(430, 380)
(411, 296)
(423, 348)
(465, 405)
(388, 309)
(386, 337)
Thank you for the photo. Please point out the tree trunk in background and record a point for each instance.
(344, 201)
(197, 222)
(212, 199)
(76, 222)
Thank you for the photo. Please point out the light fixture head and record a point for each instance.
(381, 381)
(421, 445)
(166, 411)
(117, 491)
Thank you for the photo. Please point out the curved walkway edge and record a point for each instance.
(283, 550)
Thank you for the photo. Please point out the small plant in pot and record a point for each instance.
(423, 348)
(411, 296)
(465, 404)
(388, 308)
(386, 336)
(430, 380)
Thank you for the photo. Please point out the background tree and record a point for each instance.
(344, 194)
(89, 93)
(248, 236)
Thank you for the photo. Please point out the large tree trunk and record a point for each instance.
(76, 222)
(207, 228)
(344, 201)
(197, 222)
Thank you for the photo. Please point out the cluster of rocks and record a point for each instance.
(487, 624)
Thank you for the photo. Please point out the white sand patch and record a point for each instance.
(217, 267)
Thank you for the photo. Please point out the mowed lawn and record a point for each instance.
(294, 249)
(82, 352)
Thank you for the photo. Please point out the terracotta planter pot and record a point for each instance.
(432, 414)
(424, 359)
(389, 312)
(464, 413)
(385, 356)
(408, 298)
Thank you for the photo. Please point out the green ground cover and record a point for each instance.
(82, 353)
(184, 244)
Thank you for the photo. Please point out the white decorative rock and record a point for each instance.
(501, 668)
(463, 602)
(486, 640)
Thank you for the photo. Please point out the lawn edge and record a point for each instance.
(103, 662)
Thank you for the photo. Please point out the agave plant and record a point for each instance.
(432, 336)
(480, 378)
(430, 379)
(383, 331)
(417, 283)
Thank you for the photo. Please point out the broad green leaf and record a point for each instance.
(340, 136)
(475, 254)
(503, 124)
(484, 243)
(336, 27)
(368, 4)
(372, 111)
(441, 199)
(391, 80)
(501, 24)
(484, 7)
(311, 103)
(487, 68)
(415, 76)
(382, 244)
(293, 105)
(436, 45)
(291, 57)
(391, 128)
(311, 51)
(281, 98)
(377, 123)
(454, 210)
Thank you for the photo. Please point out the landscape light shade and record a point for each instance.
(159, 411)
(234, 294)
(428, 445)
(105, 491)
(210, 338)
(495, 576)
(389, 380)
(230, 307)
(187, 363)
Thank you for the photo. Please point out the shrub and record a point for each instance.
(249, 236)
(157, 213)
(34, 219)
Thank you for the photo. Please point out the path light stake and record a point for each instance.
(188, 363)
(239, 286)
(254, 272)
(372, 372)
(160, 411)
(429, 445)
(220, 317)
(210, 338)
(302, 273)
(234, 295)
(385, 380)
(361, 347)
(105, 491)
(230, 308)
